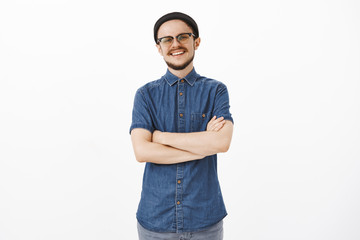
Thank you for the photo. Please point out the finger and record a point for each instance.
(216, 126)
(213, 124)
(219, 119)
(211, 127)
(212, 119)
(219, 126)
(210, 124)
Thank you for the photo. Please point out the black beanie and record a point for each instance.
(176, 15)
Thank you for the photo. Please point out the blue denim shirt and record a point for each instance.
(180, 197)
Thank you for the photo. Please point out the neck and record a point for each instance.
(182, 73)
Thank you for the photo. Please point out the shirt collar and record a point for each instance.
(171, 79)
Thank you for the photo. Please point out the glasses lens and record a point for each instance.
(183, 38)
(166, 40)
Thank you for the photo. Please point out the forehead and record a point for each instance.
(173, 28)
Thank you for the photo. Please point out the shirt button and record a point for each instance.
(181, 115)
(181, 94)
(179, 181)
(178, 202)
(182, 81)
(203, 115)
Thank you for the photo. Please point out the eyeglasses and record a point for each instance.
(181, 38)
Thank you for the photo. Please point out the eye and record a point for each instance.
(166, 40)
(183, 37)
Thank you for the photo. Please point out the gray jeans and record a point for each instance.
(215, 232)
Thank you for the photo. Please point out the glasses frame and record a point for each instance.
(158, 41)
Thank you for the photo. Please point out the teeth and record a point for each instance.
(178, 53)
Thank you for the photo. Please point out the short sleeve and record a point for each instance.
(141, 117)
(222, 104)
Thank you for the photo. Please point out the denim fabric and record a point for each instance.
(182, 197)
(214, 232)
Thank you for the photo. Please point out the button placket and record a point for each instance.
(178, 198)
(181, 105)
(180, 166)
(181, 98)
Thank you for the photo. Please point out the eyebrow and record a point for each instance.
(173, 36)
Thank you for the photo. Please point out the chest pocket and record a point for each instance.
(199, 121)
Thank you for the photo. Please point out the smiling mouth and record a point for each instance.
(177, 53)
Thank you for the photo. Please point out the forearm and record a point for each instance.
(195, 142)
(202, 143)
(160, 154)
(147, 151)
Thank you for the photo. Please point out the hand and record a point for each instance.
(215, 124)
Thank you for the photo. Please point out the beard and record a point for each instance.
(182, 66)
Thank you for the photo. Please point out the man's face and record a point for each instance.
(177, 56)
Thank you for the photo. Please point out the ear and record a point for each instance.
(197, 43)
(159, 49)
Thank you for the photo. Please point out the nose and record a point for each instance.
(175, 42)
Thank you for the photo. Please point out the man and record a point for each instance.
(179, 123)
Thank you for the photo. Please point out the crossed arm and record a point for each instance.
(168, 148)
